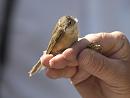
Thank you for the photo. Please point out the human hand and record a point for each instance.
(95, 75)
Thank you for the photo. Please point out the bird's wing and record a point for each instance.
(57, 34)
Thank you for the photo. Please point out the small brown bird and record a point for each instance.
(64, 34)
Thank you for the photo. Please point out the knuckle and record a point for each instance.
(69, 54)
(43, 61)
(119, 35)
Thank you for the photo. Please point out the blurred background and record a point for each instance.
(25, 29)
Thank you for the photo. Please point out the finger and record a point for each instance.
(45, 59)
(58, 62)
(61, 73)
(71, 54)
(110, 42)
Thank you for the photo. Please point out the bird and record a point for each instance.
(64, 35)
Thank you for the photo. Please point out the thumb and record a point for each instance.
(98, 65)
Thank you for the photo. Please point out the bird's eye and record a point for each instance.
(69, 23)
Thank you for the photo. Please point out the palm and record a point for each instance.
(90, 88)
(93, 87)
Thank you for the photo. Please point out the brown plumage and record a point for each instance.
(64, 34)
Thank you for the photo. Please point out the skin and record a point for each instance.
(94, 75)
